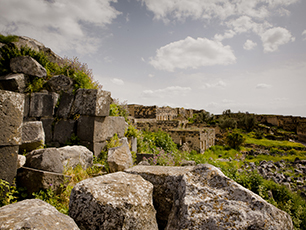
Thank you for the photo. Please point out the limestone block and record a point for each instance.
(91, 102)
(61, 83)
(71, 156)
(99, 129)
(120, 158)
(43, 104)
(65, 104)
(63, 130)
(204, 198)
(48, 159)
(165, 180)
(47, 125)
(21, 160)
(114, 201)
(27, 65)
(34, 214)
(11, 116)
(8, 162)
(13, 82)
(35, 180)
(33, 136)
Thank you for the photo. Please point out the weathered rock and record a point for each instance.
(48, 126)
(34, 214)
(21, 160)
(120, 158)
(11, 115)
(65, 104)
(91, 102)
(35, 180)
(33, 136)
(63, 130)
(95, 131)
(37, 46)
(13, 82)
(201, 197)
(165, 180)
(8, 162)
(143, 157)
(99, 129)
(48, 159)
(27, 65)
(61, 83)
(43, 104)
(26, 106)
(114, 201)
(71, 156)
(188, 163)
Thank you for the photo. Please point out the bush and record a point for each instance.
(8, 39)
(247, 121)
(118, 109)
(234, 139)
(227, 123)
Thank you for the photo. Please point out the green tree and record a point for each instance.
(234, 139)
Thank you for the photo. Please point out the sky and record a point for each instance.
(242, 55)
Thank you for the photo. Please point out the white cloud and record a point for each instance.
(249, 45)
(263, 86)
(219, 83)
(60, 24)
(222, 9)
(171, 91)
(151, 75)
(246, 24)
(226, 35)
(192, 53)
(117, 81)
(273, 38)
(304, 33)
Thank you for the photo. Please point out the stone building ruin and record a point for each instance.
(175, 122)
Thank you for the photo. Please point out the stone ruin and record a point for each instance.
(175, 122)
(142, 197)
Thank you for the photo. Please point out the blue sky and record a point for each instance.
(243, 55)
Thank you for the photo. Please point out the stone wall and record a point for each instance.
(198, 139)
(140, 111)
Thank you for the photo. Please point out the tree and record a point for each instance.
(234, 139)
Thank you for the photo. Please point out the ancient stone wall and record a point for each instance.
(199, 139)
(140, 111)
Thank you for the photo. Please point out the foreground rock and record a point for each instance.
(201, 197)
(114, 201)
(71, 156)
(120, 158)
(34, 214)
(27, 65)
(33, 136)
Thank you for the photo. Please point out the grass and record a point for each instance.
(272, 143)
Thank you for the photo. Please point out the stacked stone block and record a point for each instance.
(11, 116)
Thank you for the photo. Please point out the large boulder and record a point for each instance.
(61, 83)
(165, 180)
(11, 116)
(27, 65)
(37, 46)
(114, 201)
(120, 158)
(91, 102)
(202, 197)
(35, 180)
(34, 214)
(42, 104)
(33, 136)
(71, 156)
(48, 159)
(13, 82)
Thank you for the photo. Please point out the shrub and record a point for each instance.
(8, 39)
(234, 139)
(247, 121)
(118, 109)
(227, 123)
